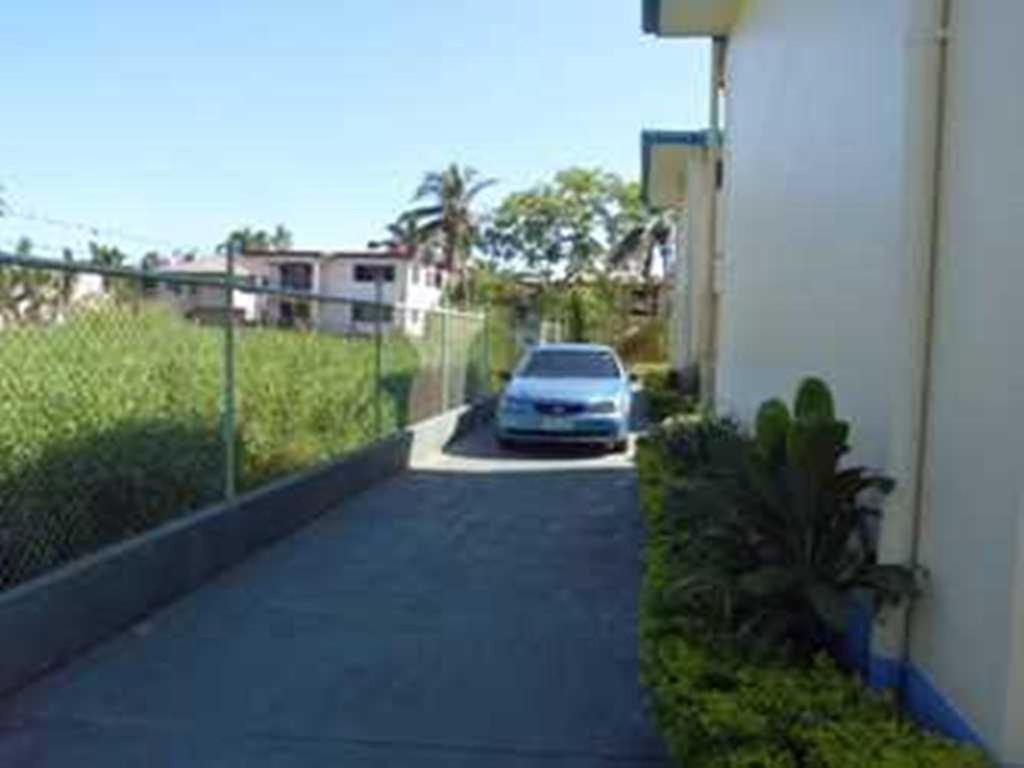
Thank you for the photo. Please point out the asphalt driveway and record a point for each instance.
(479, 610)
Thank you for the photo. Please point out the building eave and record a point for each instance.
(689, 18)
(663, 160)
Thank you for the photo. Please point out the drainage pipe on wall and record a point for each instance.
(709, 343)
(925, 140)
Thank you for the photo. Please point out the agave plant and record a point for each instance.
(777, 540)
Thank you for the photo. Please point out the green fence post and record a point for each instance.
(444, 361)
(379, 362)
(229, 375)
(487, 351)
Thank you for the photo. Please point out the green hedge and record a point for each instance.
(718, 709)
(661, 389)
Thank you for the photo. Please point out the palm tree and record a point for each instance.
(638, 247)
(449, 215)
(281, 239)
(403, 235)
(249, 239)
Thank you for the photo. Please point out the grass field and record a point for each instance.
(111, 423)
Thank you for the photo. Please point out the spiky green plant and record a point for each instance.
(778, 535)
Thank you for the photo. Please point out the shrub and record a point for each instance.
(717, 703)
(110, 423)
(778, 536)
(663, 395)
(717, 709)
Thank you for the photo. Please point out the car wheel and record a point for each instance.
(621, 446)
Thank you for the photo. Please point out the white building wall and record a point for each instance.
(410, 288)
(968, 636)
(190, 298)
(814, 191)
(820, 279)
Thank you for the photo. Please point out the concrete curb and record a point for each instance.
(48, 620)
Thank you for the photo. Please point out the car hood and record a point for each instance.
(565, 389)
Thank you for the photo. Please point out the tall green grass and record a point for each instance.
(112, 422)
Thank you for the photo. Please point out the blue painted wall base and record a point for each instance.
(921, 698)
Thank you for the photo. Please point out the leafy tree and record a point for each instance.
(121, 289)
(106, 256)
(566, 226)
(248, 239)
(150, 263)
(449, 214)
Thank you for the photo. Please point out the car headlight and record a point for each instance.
(515, 404)
(604, 406)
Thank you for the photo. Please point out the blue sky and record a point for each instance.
(178, 121)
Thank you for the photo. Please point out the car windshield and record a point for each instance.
(568, 364)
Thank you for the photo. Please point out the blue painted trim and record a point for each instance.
(932, 710)
(650, 139)
(652, 17)
(922, 700)
(883, 674)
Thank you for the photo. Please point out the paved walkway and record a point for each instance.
(476, 611)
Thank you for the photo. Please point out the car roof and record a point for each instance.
(572, 347)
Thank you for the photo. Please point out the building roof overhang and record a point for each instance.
(664, 158)
(690, 18)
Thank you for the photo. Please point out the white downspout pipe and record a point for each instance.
(924, 141)
(708, 355)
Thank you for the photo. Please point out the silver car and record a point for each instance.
(578, 393)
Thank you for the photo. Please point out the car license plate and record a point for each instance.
(556, 424)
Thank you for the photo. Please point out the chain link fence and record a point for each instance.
(127, 398)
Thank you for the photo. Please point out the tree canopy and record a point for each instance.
(449, 214)
(583, 219)
(249, 239)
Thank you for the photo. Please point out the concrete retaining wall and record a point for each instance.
(48, 620)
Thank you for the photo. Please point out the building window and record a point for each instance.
(368, 313)
(414, 316)
(296, 277)
(438, 279)
(370, 273)
(415, 276)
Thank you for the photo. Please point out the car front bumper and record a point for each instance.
(581, 428)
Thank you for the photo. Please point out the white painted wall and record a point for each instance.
(814, 193)
(410, 288)
(963, 635)
(819, 279)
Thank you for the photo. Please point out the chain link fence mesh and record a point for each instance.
(110, 421)
(112, 396)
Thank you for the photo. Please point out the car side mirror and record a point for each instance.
(634, 377)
